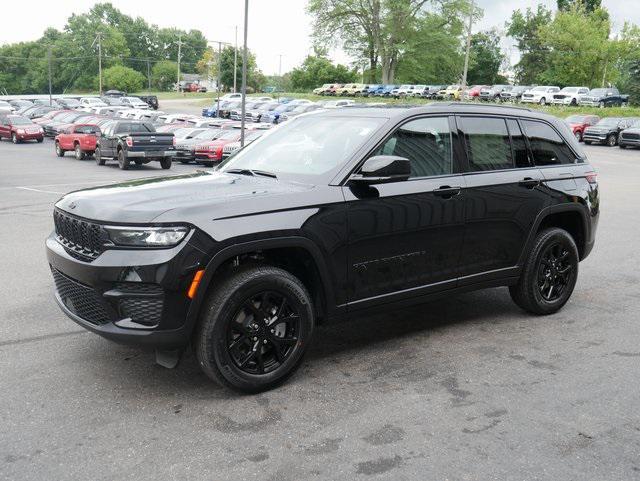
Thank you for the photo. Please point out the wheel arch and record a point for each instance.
(298, 255)
(571, 217)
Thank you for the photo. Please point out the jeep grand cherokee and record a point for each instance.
(335, 213)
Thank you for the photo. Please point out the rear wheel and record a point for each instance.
(543, 101)
(14, 138)
(123, 160)
(59, 151)
(39, 140)
(165, 162)
(578, 135)
(79, 153)
(549, 274)
(97, 155)
(255, 329)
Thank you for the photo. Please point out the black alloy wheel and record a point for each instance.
(255, 328)
(549, 274)
(555, 271)
(612, 140)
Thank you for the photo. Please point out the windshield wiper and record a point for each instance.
(252, 172)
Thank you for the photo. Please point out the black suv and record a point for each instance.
(332, 214)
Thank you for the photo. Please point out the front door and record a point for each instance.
(405, 237)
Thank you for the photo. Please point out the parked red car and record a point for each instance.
(473, 93)
(580, 122)
(210, 153)
(18, 128)
(81, 139)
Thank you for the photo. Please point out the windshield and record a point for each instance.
(569, 89)
(20, 121)
(307, 146)
(576, 119)
(208, 134)
(609, 121)
(599, 92)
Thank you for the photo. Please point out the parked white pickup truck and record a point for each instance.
(539, 95)
(569, 96)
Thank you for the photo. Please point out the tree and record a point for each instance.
(525, 29)
(485, 60)
(589, 5)
(164, 75)
(318, 70)
(380, 31)
(123, 78)
(570, 59)
(208, 65)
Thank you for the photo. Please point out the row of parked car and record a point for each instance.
(541, 94)
(611, 131)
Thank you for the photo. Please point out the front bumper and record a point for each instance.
(565, 101)
(598, 137)
(37, 136)
(130, 296)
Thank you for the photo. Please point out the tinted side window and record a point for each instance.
(547, 146)
(426, 143)
(487, 143)
(518, 144)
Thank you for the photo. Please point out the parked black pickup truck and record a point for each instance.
(128, 140)
(150, 100)
(605, 97)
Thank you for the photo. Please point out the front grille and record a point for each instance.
(81, 300)
(146, 307)
(629, 135)
(83, 239)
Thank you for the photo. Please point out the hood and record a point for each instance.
(177, 198)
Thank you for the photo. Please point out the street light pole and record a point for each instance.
(218, 80)
(235, 63)
(466, 55)
(49, 61)
(244, 71)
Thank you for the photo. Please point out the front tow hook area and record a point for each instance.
(168, 358)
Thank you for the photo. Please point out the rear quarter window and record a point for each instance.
(547, 146)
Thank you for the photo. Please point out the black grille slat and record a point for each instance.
(81, 300)
(83, 239)
(143, 310)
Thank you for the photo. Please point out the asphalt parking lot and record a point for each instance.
(466, 388)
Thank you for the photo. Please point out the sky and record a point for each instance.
(276, 27)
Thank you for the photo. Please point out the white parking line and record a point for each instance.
(40, 190)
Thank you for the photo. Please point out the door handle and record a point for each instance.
(529, 182)
(446, 191)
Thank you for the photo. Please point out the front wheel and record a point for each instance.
(59, 151)
(79, 153)
(255, 329)
(612, 140)
(543, 101)
(578, 136)
(549, 274)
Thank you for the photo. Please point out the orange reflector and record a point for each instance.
(193, 288)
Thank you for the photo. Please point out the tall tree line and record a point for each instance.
(127, 41)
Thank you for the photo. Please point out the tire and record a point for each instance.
(40, 140)
(59, 151)
(123, 160)
(612, 140)
(97, 155)
(14, 139)
(587, 142)
(165, 162)
(530, 293)
(543, 101)
(221, 354)
(601, 104)
(578, 136)
(79, 154)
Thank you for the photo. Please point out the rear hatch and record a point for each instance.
(151, 141)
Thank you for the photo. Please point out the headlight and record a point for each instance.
(146, 236)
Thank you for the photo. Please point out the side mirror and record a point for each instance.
(383, 169)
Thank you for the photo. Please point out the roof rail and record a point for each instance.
(472, 104)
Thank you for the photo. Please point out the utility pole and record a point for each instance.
(235, 63)
(179, 59)
(466, 55)
(244, 71)
(218, 80)
(279, 75)
(49, 61)
(99, 38)
(148, 75)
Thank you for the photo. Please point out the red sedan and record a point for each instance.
(580, 122)
(18, 128)
(81, 139)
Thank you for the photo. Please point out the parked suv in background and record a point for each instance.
(578, 123)
(607, 130)
(569, 95)
(605, 97)
(630, 137)
(539, 95)
(515, 94)
(18, 128)
(303, 227)
(493, 93)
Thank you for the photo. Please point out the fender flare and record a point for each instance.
(233, 250)
(543, 214)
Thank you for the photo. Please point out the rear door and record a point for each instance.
(404, 238)
(503, 198)
(5, 128)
